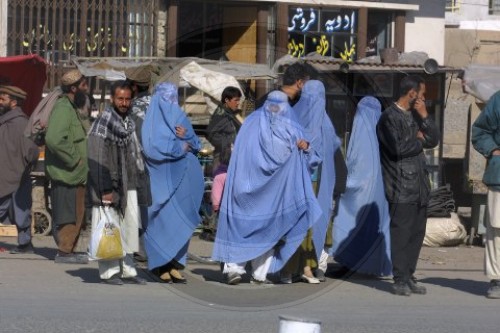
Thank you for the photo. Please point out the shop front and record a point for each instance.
(347, 84)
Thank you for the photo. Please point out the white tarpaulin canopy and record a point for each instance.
(208, 76)
(482, 81)
(113, 69)
(210, 82)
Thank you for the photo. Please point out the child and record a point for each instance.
(216, 192)
(220, 179)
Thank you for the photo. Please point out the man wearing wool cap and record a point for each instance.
(66, 166)
(18, 155)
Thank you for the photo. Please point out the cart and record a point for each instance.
(41, 219)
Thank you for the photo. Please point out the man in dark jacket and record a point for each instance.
(404, 130)
(18, 154)
(223, 125)
(294, 78)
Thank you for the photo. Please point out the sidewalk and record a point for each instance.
(444, 266)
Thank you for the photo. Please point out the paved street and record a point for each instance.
(37, 295)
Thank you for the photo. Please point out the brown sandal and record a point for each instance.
(177, 276)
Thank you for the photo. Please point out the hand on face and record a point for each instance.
(418, 103)
(420, 107)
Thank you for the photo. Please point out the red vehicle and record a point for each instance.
(29, 72)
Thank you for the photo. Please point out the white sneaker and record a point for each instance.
(233, 278)
(311, 280)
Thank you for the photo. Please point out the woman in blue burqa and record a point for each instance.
(310, 111)
(361, 239)
(170, 145)
(268, 203)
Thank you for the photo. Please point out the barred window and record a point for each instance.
(494, 7)
(59, 29)
(452, 5)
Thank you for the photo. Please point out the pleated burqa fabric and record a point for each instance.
(310, 111)
(361, 238)
(176, 179)
(268, 200)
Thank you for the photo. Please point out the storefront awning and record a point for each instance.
(349, 4)
(411, 62)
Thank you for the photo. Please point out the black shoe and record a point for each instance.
(401, 288)
(494, 290)
(259, 282)
(114, 280)
(134, 280)
(23, 249)
(207, 236)
(416, 288)
(320, 275)
(139, 257)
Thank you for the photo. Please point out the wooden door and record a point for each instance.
(240, 34)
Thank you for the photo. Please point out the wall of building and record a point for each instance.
(465, 47)
(471, 37)
(425, 29)
(472, 13)
(162, 27)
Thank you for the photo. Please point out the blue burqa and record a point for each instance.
(268, 199)
(311, 114)
(361, 238)
(176, 179)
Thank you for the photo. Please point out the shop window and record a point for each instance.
(330, 33)
(200, 30)
(494, 7)
(378, 32)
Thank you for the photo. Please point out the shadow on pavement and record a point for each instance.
(91, 275)
(46, 252)
(88, 275)
(338, 272)
(478, 288)
(209, 275)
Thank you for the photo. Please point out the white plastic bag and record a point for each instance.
(106, 242)
(444, 231)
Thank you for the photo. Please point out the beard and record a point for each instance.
(4, 109)
(80, 99)
(122, 111)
